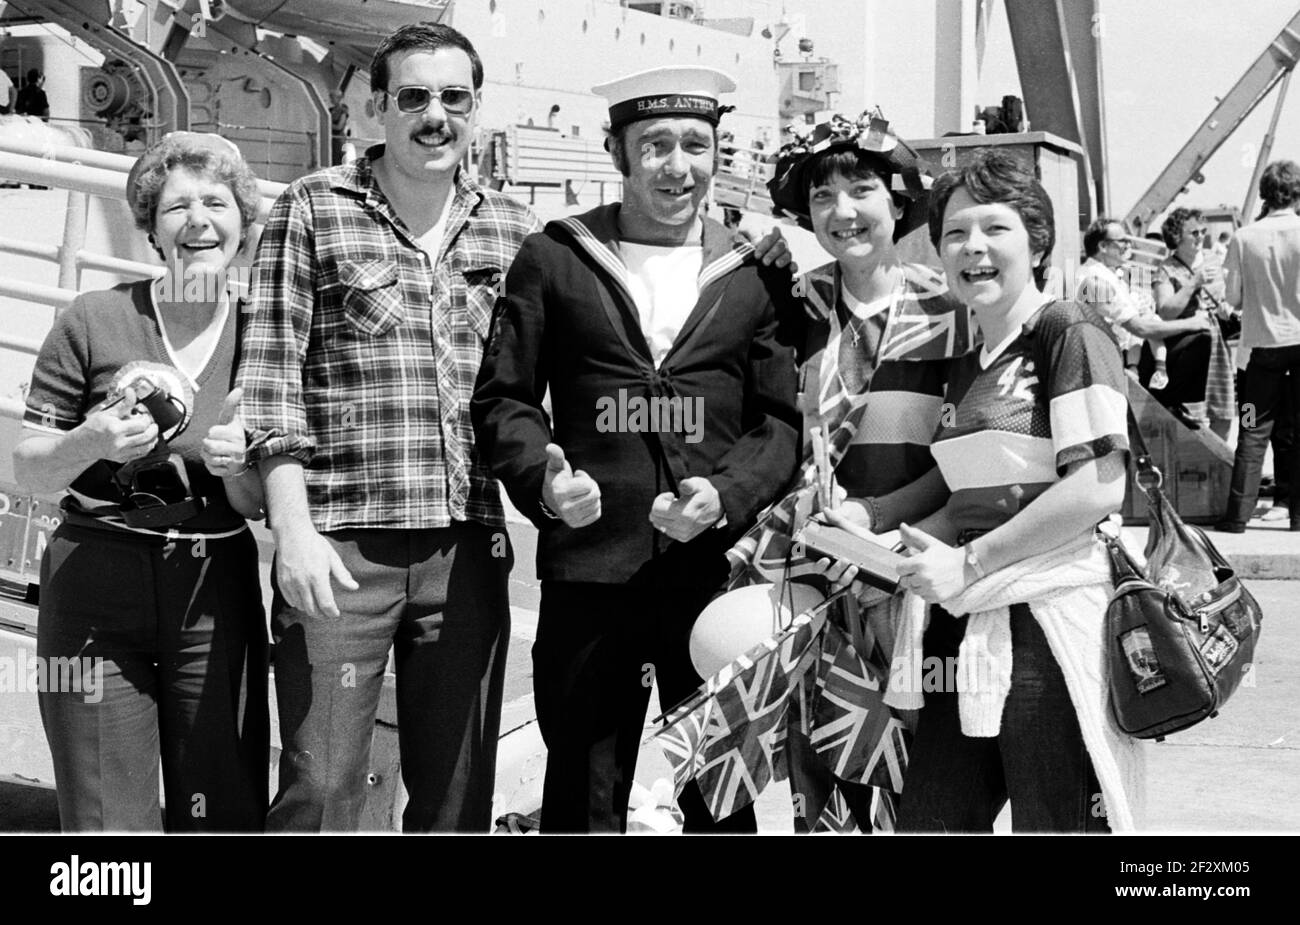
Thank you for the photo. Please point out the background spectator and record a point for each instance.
(32, 100)
(1200, 367)
(1107, 248)
(1263, 278)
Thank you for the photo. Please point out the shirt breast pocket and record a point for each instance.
(481, 290)
(372, 298)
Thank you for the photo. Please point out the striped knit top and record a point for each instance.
(892, 358)
(1054, 394)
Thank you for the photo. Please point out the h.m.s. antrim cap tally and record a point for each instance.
(666, 92)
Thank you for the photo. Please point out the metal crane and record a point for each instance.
(1272, 66)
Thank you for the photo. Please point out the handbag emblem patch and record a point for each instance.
(1142, 662)
(1218, 648)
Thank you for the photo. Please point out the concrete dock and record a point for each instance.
(1239, 772)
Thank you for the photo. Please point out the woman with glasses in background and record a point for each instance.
(1198, 362)
(1107, 249)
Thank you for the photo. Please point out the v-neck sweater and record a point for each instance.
(100, 342)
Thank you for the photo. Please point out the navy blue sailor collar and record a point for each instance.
(597, 233)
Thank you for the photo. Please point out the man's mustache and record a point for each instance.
(433, 134)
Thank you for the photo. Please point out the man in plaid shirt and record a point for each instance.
(370, 309)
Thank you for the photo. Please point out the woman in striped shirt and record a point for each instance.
(1034, 451)
(874, 336)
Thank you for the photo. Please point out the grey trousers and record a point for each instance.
(438, 598)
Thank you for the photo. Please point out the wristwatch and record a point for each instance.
(973, 561)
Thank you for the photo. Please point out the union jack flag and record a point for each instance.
(729, 737)
(924, 322)
(851, 728)
(836, 816)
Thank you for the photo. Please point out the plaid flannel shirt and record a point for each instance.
(360, 354)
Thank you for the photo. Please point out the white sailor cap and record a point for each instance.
(661, 92)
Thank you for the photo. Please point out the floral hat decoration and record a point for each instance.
(902, 169)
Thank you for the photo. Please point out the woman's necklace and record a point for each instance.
(855, 326)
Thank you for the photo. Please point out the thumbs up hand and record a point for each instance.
(932, 570)
(224, 447)
(693, 511)
(573, 496)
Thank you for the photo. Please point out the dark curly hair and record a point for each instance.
(1279, 186)
(1171, 229)
(171, 153)
(995, 176)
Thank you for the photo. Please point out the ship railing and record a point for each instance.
(261, 144)
(532, 157)
(83, 172)
(741, 181)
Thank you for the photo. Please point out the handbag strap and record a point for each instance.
(1142, 460)
(1149, 478)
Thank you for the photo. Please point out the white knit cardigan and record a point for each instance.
(1067, 590)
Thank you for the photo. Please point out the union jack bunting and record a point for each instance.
(836, 816)
(923, 323)
(729, 737)
(852, 729)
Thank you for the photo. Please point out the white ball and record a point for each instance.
(735, 622)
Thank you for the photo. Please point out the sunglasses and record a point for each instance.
(456, 101)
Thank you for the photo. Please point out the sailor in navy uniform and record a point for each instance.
(674, 422)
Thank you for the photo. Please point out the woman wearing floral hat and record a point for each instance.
(874, 336)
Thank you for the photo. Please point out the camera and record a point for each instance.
(167, 412)
(156, 490)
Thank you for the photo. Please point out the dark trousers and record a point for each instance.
(1271, 393)
(959, 783)
(599, 649)
(438, 598)
(1283, 443)
(1188, 361)
(176, 635)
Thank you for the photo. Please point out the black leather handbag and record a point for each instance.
(1181, 633)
